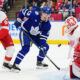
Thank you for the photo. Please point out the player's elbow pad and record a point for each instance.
(17, 24)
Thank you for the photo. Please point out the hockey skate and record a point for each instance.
(15, 68)
(7, 66)
(41, 65)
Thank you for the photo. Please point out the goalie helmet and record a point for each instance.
(71, 23)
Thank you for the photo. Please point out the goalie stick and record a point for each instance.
(41, 50)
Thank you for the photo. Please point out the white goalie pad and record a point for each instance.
(76, 70)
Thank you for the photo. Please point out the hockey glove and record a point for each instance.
(43, 48)
(17, 24)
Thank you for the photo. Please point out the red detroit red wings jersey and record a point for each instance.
(5, 23)
(5, 37)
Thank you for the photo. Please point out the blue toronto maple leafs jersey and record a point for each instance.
(30, 21)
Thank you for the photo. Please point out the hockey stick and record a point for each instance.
(51, 60)
(41, 50)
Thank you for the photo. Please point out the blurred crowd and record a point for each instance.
(63, 7)
(5, 5)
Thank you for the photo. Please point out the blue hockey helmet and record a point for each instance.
(46, 9)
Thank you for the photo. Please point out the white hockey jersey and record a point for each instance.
(3, 21)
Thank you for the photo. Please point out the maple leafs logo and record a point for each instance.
(34, 31)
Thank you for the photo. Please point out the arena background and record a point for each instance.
(57, 33)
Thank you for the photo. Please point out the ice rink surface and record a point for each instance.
(28, 65)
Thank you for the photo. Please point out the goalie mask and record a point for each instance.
(71, 23)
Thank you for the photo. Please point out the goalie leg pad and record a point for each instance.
(71, 73)
(76, 62)
(76, 69)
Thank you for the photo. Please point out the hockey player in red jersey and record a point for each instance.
(73, 30)
(6, 39)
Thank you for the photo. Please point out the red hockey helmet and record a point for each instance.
(71, 23)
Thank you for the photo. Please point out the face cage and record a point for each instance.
(69, 29)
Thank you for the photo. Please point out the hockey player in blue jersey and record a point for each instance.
(35, 27)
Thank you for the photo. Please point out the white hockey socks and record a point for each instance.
(9, 54)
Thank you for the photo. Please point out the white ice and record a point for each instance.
(28, 65)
